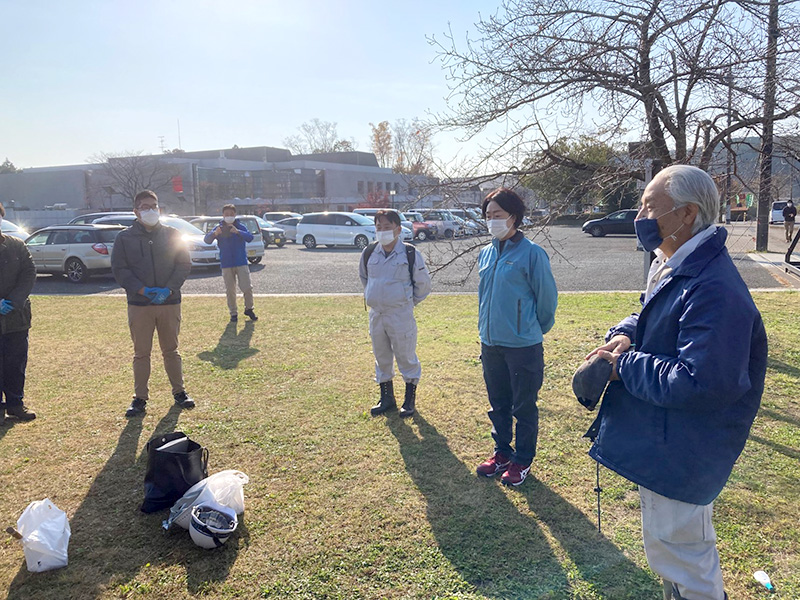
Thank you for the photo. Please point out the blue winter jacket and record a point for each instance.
(517, 295)
(690, 387)
(232, 247)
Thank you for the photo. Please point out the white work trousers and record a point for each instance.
(229, 276)
(681, 545)
(394, 336)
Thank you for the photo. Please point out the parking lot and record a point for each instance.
(580, 263)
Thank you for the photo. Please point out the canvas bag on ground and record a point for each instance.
(45, 536)
(224, 488)
(174, 464)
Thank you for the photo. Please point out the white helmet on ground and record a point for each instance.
(212, 524)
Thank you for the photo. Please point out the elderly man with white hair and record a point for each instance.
(687, 379)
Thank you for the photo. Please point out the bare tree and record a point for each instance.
(317, 137)
(128, 173)
(654, 70)
(413, 147)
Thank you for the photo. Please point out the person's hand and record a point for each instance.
(617, 344)
(151, 293)
(611, 352)
(161, 295)
(6, 306)
(235, 230)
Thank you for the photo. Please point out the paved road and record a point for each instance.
(580, 263)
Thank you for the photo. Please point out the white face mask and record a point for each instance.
(149, 217)
(498, 227)
(229, 220)
(384, 238)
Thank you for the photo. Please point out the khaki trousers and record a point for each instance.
(788, 229)
(143, 321)
(229, 276)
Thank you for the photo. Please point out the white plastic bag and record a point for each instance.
(45, 536)
(225, 488)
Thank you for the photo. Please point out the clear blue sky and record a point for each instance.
(83, 76)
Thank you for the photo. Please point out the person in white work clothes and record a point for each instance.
(395, 279)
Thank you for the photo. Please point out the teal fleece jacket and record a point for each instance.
(517, 294)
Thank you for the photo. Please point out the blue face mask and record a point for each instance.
(648, 234)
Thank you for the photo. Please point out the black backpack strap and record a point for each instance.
(365, 256)
(411, 256)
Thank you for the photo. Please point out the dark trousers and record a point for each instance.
(13, 360)
(513, 377)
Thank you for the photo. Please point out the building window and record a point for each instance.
(380, 186)
(370, 187)
(360, 187)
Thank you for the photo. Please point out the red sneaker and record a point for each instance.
(496, 464)
(515, 474)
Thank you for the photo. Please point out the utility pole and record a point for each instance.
(765, 181)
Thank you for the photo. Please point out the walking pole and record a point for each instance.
(598, 489)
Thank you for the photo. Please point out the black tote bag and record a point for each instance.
(174, 464)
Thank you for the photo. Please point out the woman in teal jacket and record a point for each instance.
(517, 299)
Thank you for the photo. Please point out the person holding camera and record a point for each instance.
(232, 237)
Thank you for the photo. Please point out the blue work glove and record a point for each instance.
(6, 307)
(151, 292)
(161, 295)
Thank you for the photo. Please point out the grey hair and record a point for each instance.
(686, 184)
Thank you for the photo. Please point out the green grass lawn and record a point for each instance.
(343, 505)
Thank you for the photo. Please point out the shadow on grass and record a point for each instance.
(785, 450)
(782, 367)
(232, 347)
(778, 416)
(500, 551)
(115, 549)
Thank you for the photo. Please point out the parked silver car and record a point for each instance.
(77, 251)
(201, 254)
(289, 226)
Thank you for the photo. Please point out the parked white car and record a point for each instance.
(255, 247)
(16, 231)
(776, 214)
(335, 229)
(370, 212)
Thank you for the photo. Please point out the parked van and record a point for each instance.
(776, 214)
(335, 229)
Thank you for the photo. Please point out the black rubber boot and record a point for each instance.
(408, 404)
(387, 401)
(2, 413)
